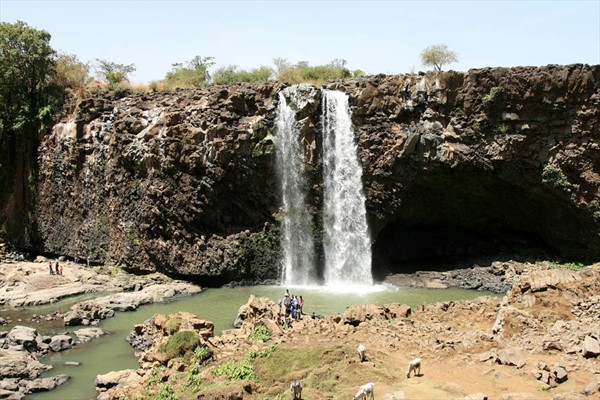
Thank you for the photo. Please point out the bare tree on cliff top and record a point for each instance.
(438, 55)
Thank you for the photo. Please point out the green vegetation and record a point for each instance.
(193, 73)
(180, 343)
(574, 266)
(303, 72)
(202, 354)
(172, 325)
(437, 56)
(112, 73)
(262, 333)
(233, 74)
(495, 100)
(166, 393)
(70, 73)
(236, 370)
(193, 380)
(552, 175)
(26, 62)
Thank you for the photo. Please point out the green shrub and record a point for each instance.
(236, 370)
(202, 353)
(261, 332)
(553, 176)
(166, 393)
(180, 343)
(495, 100)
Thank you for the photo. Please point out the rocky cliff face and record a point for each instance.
(454, 164)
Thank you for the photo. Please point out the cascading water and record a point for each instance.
(298, 264)
(346, 242)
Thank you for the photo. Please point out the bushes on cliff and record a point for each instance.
(192, 73)
(303, 72)
(233, 74)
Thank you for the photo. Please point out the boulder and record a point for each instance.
(559, 373)
(19, 364)
(114, 378)
(396, 310)
(24, 336)
(513, 356)
(86, 334)
(61, 342)
(591, 347)
(72, 318)
(354, 315)
(46, 384)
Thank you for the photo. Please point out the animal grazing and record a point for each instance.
(414, 366)
(361, 352)
(296, 387)
(365, 391)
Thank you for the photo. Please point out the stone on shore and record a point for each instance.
(61, 342)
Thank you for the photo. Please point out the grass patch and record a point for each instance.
(172, 325)
(180, 343)
(573, 266)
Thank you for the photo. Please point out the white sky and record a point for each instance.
(374, 36)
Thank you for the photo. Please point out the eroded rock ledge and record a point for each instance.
(455, 165)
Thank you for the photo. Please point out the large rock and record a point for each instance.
(46, 384)
(591, 347)
(24, 336)
(114, 378)
(60, 343)
(20, 364)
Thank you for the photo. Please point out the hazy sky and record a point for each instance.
(374, 36)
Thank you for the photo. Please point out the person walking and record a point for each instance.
(50, 266)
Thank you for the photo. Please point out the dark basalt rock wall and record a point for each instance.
(455, 164)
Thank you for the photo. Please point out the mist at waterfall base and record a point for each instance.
(346, 239)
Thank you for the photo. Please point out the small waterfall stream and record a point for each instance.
(347, 242)
(298, 264)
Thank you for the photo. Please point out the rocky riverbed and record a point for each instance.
(24, 284)
(541, 341)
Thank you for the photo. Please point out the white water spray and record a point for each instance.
(298, 264)
(346, 241)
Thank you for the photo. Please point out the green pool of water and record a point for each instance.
(111, 352)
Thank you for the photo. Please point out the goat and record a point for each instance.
(296, 387)
(364, 391)
(361, 352)
(414, 366)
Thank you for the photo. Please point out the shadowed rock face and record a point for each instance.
(455, 164)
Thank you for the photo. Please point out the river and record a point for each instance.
(111, 351)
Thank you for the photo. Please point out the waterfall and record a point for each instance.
(346, 241)
(298, 264)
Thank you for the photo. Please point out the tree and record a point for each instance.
(113, 73)
(26, 60)
(193, 73)
(70, 73)
(437, 56)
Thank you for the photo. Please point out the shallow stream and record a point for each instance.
(111, 352)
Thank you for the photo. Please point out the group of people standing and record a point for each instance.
(58, 269)
(291, 306)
